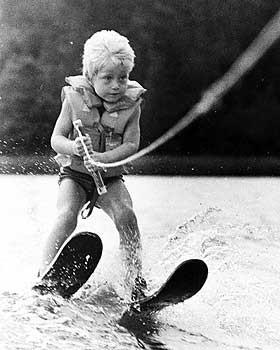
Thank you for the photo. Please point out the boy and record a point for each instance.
(108, 104)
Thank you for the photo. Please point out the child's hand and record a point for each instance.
(91, 163)
(78, 147)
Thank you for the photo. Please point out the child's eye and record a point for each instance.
(123, 78)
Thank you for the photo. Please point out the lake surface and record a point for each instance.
(233, 224)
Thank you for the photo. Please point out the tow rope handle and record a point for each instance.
(101, 188)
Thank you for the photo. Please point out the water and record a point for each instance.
(230, 223)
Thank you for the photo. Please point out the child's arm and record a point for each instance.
(60, 141)
(130, 144)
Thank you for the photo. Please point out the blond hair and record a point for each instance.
(103, 46)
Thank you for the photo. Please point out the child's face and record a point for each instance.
(110, 82)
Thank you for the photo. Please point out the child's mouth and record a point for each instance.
(114, 95)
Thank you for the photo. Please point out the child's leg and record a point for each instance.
(71, 198)
(117, 204)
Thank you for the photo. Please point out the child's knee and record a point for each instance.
(125, 217)
(67, 216)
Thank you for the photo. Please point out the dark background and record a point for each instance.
(181, 46)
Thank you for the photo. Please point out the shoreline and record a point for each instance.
(157, 165)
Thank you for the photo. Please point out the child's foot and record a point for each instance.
(140, 287)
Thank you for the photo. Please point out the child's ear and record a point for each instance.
(93, 78)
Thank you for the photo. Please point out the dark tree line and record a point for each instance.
(182, 46)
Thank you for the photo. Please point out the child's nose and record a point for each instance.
(115, 84)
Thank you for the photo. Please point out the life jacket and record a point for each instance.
(105, 128)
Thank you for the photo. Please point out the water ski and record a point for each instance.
(72, 266)
(187, 279)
